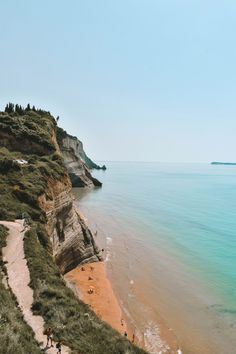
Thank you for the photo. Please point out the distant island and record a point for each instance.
(223, 163)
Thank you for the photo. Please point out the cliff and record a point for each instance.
(77, 162)
(35, 186)
(41, 186)
(72, 241)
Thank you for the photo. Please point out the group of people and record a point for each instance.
(49, 334)
(133, 336)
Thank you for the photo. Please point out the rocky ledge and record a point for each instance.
(77, 162)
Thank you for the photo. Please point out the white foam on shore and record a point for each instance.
(109, 240)
(108, 257)
(108, 251)
(152, 340)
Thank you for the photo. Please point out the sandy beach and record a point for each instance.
(92, 285)
(130, 284)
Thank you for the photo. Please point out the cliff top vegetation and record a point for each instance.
(27, 136)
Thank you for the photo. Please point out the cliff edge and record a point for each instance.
(36, 182)
(77, 162)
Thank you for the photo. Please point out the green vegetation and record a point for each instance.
(27, 135)
(60, 308)
(15, 335)
(21, 185)
(17, 109)
(29, 132)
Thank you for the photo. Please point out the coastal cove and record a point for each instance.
(163, 227)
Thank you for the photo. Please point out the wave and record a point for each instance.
(152, 340)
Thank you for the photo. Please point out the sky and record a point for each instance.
(135, 80)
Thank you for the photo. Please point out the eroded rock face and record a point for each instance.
(76, 162)
(72, 241)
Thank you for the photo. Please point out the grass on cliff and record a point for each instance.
(30, 127)
(21, 185)
(15, 335)
(28, 137)
(61, 309)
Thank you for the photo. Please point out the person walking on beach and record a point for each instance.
(58, 346)
(49, 334)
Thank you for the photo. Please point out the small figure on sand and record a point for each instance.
(58, 346)
(90, 291)
(126, 334)
(95, 234)
(82, 269)
(49, 334)
(91, 268)
(122, 322)
(133, 338)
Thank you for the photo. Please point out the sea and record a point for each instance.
(168, 231)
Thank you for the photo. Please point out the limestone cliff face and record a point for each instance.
(72, 241)
(77, 162)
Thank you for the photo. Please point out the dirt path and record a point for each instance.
(19, 279)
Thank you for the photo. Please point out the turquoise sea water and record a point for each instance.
(175, 223)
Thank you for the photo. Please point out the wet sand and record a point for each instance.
(91, 284)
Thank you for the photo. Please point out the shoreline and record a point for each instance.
(91, 284)
(77, 280)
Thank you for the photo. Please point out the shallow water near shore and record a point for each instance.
(169, 231)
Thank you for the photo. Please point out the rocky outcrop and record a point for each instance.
(71, 239)
(77, 162)
(78, 171)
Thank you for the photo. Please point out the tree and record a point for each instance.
(28, 107)
(17, 108)
(9, 108)
(21, 111)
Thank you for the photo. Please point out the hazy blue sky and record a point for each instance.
(151, 80)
